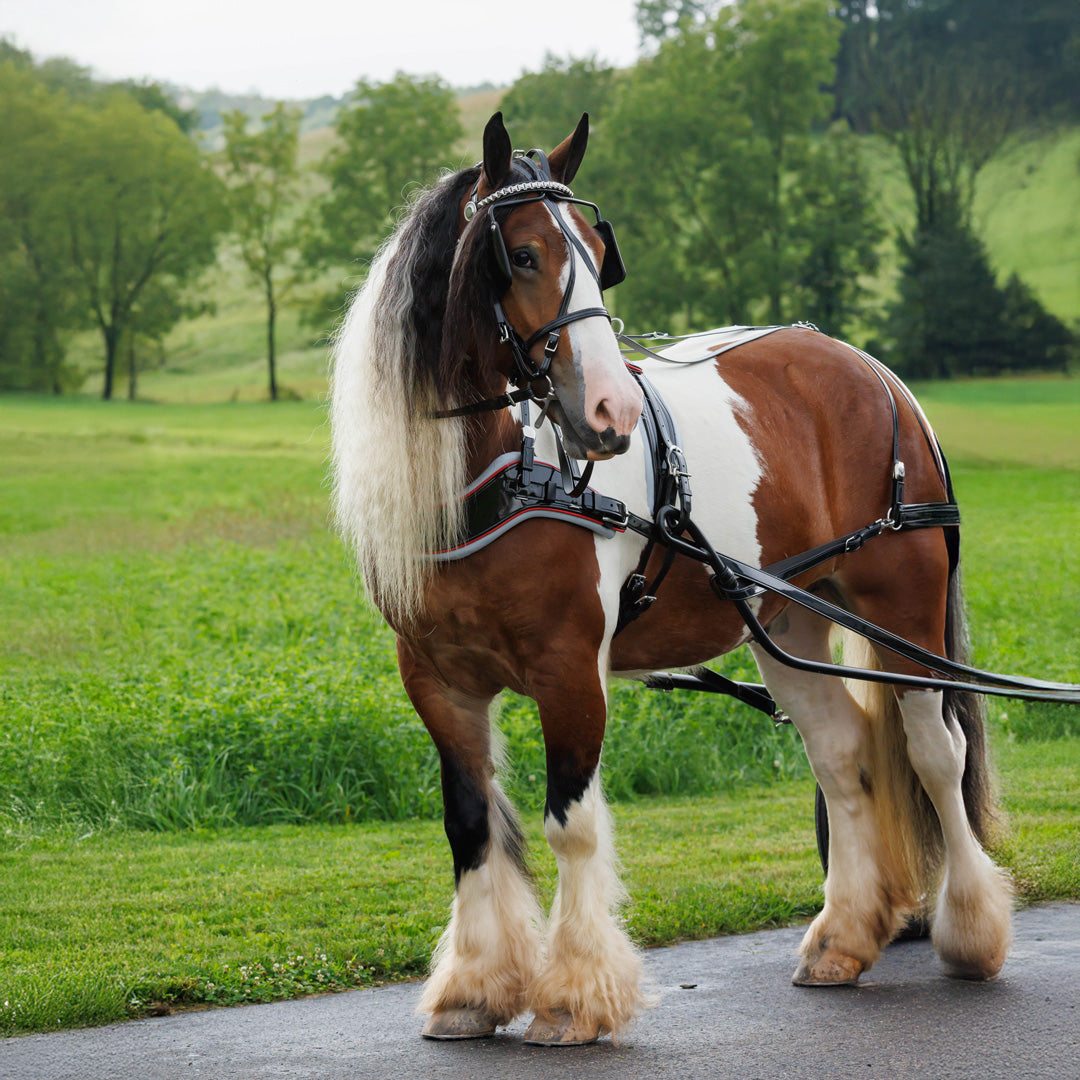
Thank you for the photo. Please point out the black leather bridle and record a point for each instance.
(534, 380)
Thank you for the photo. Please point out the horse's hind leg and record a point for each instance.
(945, 745)
(867, 893)
(972, 922)
(591, 980)
(490, 950)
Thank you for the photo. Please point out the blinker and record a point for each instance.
(612, 269)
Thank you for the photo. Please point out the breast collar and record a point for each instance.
(518, 487)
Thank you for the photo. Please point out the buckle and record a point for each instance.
(676, 461)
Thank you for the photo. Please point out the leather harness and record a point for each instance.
(517, 487)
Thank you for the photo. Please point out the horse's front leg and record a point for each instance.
(490, 951)
(590, 983)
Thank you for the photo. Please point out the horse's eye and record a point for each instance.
(522, 257)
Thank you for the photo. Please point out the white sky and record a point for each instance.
(306, 48)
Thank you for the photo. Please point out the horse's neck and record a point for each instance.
(496, 433)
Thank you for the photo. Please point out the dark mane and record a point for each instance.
(469, 335)
(451, 289)
(470, 340)
(419, 274)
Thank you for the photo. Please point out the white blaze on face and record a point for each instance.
(609, 397)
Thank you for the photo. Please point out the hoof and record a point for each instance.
(831, 968)
(561, 1030)
(979, 970)
(459, 1024)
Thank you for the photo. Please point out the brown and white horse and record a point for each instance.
(789, 442)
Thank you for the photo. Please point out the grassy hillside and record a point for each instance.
(1027, 208)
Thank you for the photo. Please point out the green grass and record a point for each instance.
(173, 564)
(196, 709)
(98, 927)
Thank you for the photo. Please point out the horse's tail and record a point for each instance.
(909, 824)
(966, 708)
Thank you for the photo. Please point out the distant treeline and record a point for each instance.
(1031, 47)
(728, 157)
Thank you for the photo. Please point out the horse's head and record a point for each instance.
(548, 266)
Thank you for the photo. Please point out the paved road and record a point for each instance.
(742, 1020)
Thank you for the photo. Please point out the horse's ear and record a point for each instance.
(498, 153)
(566, 157)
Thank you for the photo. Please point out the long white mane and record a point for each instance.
(396, 473)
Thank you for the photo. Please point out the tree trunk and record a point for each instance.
(111, 334)
(271, 318)
(131, 366)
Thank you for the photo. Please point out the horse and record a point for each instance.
(493, 278)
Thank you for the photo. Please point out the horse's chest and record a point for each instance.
(724, 464)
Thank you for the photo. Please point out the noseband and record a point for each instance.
(534, 380)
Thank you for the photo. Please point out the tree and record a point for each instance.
(660, 20)
(153, 97)
(263, 180)
(836, 230)
(947, 316)
(143, 213)
(946, 122)
(719, 184)
(952, 318)
(785, 52)
(547, 104)
(38, 300)
(947, 116)
(1037, 43)
(390, 136)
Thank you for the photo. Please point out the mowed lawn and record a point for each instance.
(183, 654)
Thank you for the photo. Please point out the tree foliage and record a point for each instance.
(107, 212)
(391, 137)
(724, 156)
(143, 215)
(951, 317)
(1037, 43)
(548, 103)
(263, 175)
(38, 302)
(722, 188)
(661, 20)
(947, 117)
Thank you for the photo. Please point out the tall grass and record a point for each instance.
(182, 643)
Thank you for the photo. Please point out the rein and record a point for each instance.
(672, 527)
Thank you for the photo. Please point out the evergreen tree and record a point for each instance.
(952, 318)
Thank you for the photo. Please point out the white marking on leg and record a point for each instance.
(491, 949)
(871, 884)
(593, 971)
(972, 925)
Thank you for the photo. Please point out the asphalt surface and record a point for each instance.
(724, 1008)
